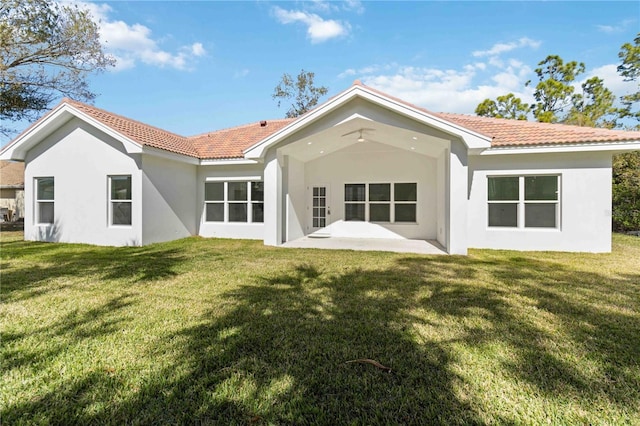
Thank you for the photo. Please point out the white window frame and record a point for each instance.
(249, 202)
(391, 203)
(123, 201)
(521, 202)
(39, 201)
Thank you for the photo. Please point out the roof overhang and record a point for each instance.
(41, 129)
(472, 139)
(614, 147)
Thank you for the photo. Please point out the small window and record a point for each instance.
(45, 189)
(523, 201)
(405, 196)
(354, 197)
(120, 200)
(380, 202)
(214, 201)
(257, 202)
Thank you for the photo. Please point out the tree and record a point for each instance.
(626, 191)
(592, 107)
(507, 106)
(554, 91)
(303, 91)
(630, 69)
(626, 167)
(47, 50)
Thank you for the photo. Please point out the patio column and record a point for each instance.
(272, 199)
(457, 240)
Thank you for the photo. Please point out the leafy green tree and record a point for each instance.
(630, 70)
(301, 90)
(47, 50)
(507, 106)
(626, 191)
(593, 107)
(626, 167)
(554, 91)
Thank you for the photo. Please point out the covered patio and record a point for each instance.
(368, 244)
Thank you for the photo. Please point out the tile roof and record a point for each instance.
(139, 132)
(229, 143)
(11, 174)
(522, 133)
(505, 132)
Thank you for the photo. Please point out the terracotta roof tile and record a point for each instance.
(11, 174)
(519, 132)
(229, 143)
(139, 132)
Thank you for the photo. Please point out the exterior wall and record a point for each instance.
(13, 199)
(81, 158)
(168, 199)
(372, 162)
(457, 195)
(252, 231)
(585, 202)
(296, 200)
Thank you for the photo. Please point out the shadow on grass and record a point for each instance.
(278, 355)
(55, 260)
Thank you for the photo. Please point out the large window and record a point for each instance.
(120, 199)
(380, 202)
(524, 201)
(239, 201)
(45, 200)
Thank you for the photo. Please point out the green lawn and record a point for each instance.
(231, 332)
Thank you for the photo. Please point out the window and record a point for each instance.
(523, 201)
(380, 202)
(354, 197)
(44, 200)
(234, 201)
(120, 199)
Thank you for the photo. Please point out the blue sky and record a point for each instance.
(192, 67)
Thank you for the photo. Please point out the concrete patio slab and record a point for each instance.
(368, 244)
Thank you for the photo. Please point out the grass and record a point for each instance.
(231, 332)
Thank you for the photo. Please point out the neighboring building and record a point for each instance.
(363, 164)
(11, 190)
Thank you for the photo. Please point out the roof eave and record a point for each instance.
(17, 150)
(612, 146)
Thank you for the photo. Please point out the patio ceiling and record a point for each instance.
(376, 135)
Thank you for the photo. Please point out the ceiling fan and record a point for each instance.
(359, 131)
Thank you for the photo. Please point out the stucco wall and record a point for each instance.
(252, 231)
(81, 158)
(585, 192)
(169, 199)
(373, 162)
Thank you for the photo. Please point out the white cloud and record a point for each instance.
(500, 48)
(450, 90)
(617, 28)
(318, 29)
(133, 43)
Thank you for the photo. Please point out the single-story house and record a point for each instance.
(11, 191)
(363, 165)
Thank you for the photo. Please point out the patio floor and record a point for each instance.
(368, 244)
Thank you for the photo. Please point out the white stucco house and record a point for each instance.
(363, 164)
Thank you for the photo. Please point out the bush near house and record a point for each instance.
(232, 332)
